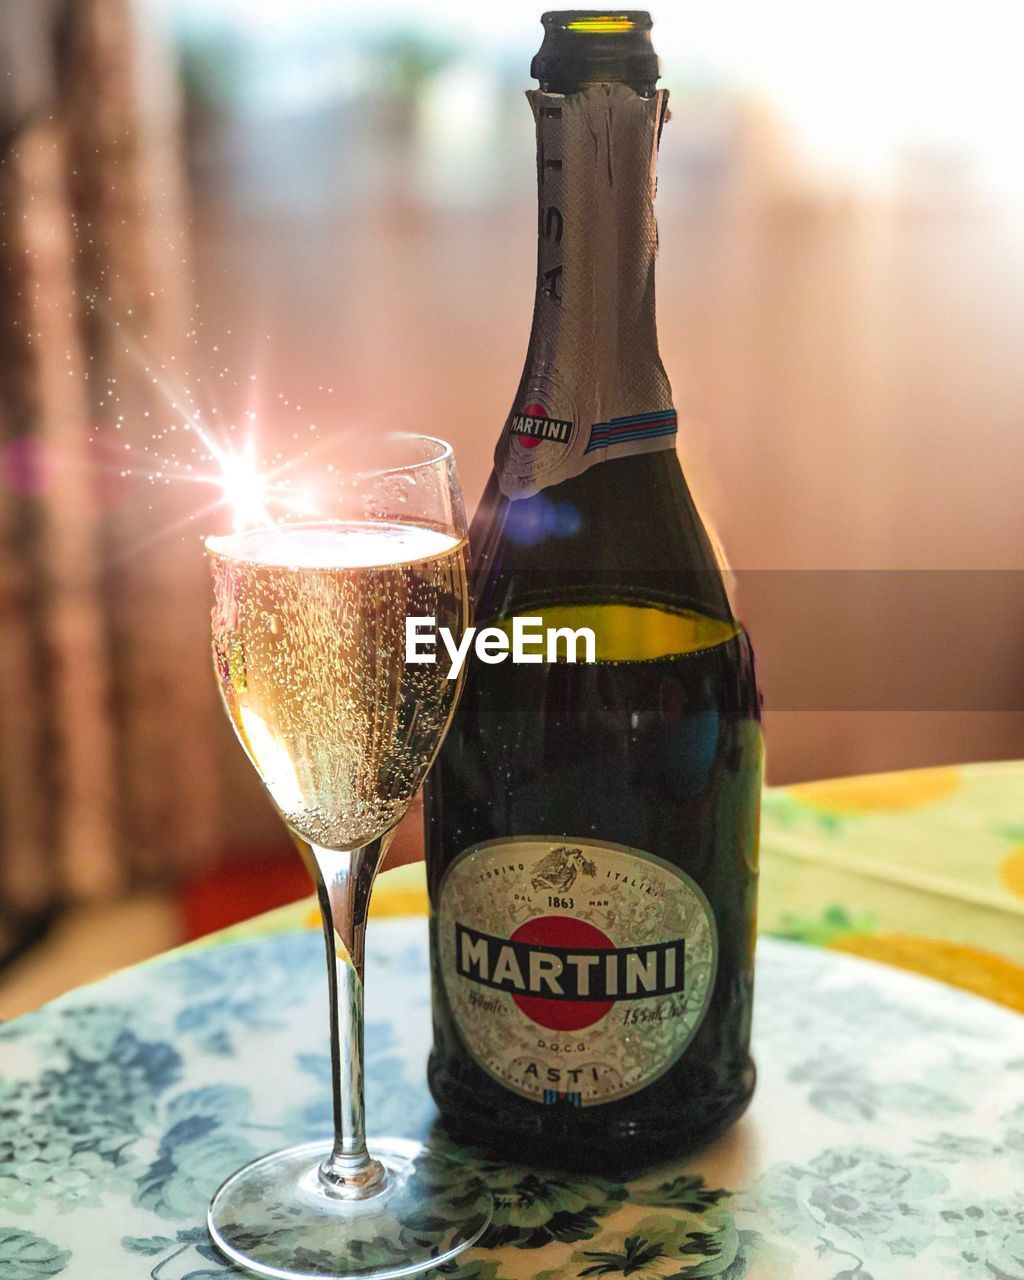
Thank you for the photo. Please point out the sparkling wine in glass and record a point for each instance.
(309, 635)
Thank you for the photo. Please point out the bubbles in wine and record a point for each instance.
(309, 645)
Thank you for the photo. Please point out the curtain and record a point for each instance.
(111, 745)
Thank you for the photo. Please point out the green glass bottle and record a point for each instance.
(592, 829)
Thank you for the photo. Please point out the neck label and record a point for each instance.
(594, 387)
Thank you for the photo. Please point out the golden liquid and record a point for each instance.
(634, 633)
(309, 647)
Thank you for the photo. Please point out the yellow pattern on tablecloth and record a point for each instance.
(878, 792)
(1012, 871)
(972, 968)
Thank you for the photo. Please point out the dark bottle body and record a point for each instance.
(660, 754)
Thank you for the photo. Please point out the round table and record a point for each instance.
(886, 1138)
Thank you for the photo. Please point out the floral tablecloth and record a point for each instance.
(886, 1139)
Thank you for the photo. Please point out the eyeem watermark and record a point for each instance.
(530, 641)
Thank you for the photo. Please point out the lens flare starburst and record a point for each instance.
(244, 486)
(205, 449)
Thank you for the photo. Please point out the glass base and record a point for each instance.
(276, 1216)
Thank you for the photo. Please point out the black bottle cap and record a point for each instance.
(588, 46)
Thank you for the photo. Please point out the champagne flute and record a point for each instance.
(309, 648)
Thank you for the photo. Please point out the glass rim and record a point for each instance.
(444, 452)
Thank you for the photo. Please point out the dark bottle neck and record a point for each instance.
(594, 326)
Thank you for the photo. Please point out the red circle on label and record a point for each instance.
(532, 411)
(562, 931)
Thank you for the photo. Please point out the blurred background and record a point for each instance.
(296, 212)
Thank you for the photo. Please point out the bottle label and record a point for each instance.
(576, 970)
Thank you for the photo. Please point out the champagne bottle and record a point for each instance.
(592, 829)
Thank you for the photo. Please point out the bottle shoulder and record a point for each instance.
(626, 530)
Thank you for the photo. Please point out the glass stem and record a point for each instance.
(344, 881)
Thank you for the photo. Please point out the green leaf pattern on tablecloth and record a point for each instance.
(24, 1256)
(833, 923)
(788, 811)
(688, 1191)
(68, 1135)
(884, 1144)
(659, 1246)
(858, 1203)
(849, 1093)
(533, 1208)
(855, 1199)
